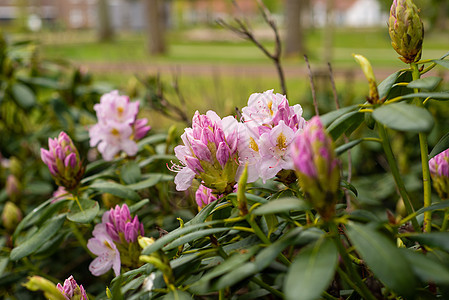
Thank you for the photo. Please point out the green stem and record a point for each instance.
(79, 236)
(221, 294)
(396, 175)
(353, 279)
(264, 238)
(445, 220)
(75, 196)
(424, 161)
(267, 287)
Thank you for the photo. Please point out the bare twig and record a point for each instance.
(312, 86)
(334, 89)
(242, 29)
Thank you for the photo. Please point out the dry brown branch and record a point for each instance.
(243, 30)
(312, 86)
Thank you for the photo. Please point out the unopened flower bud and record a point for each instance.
(204, 196)
(439, 171)
(71, 290)
(38, 283)
(317, 167)
(12, 187)
(373, 97)
(11, 216)
(63, 161)
(145, 241)
(406, 30)
(15, 166)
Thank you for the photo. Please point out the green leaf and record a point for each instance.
(152, 158)
(427, 83)
(28, 220)
(89, 212)
(312, 271)
(345, 147)
(442, 62)
(44, 233)
(435, 206)
(383, 258)
(404, 117)
(427, 269)
(432, 239)
(385, 86)
(194, 236)
(161, 242)
(396, 90)
(130, 172)
(281, 205)
(344, 123)
(349, 186)
(261, 261)
(116, 190)
(135, 207)
(434, 95)
(178, 295)
(442, 145)
(23, 95)
(152, 180)
(330, 117)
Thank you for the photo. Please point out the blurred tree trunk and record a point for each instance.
(105, 30)
(156, 26)
(294, 38)
(328, 31)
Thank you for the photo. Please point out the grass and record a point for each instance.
(373, 43)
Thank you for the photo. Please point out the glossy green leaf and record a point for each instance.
(427, 83)
(130, 172)
(330, 117)
(31, 218)
(281, 205)
(89, 211)
(432, 239)
(152, 139)
(349, 186)
(194, 236)
(116, 190)
(152, 158)
(396, 90)
(385, 86)
(260, 262)
(23, 95)
(435, 206)
(151, 180)
(345, 147)
(178, 295)
(46, 232)
(344, 123)
(427, 269)
(383, 258)
(135, 207)
(442, 62)
(433, 95)
(404, 117)
(171, 236)
(442, 145)
(312, 271)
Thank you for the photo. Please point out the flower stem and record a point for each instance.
(352, 277)
(397, 177)
(424, 160)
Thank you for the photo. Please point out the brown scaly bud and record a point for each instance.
(406, 30)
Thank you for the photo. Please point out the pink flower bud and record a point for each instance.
(71, 289)
(63, 161)
(439, 171)
(204, 196)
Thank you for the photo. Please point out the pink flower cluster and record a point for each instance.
(63, 161)
(71, 290)
(209, 153)
(117, 128)
(117, 228)
(216, 150)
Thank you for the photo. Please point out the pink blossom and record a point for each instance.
(117, 108)
(209, 153)
(112, 138)
(273, 149)
(439, 164)
(103, 246)
(60, 194)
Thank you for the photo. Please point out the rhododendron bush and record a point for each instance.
(270, 202)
